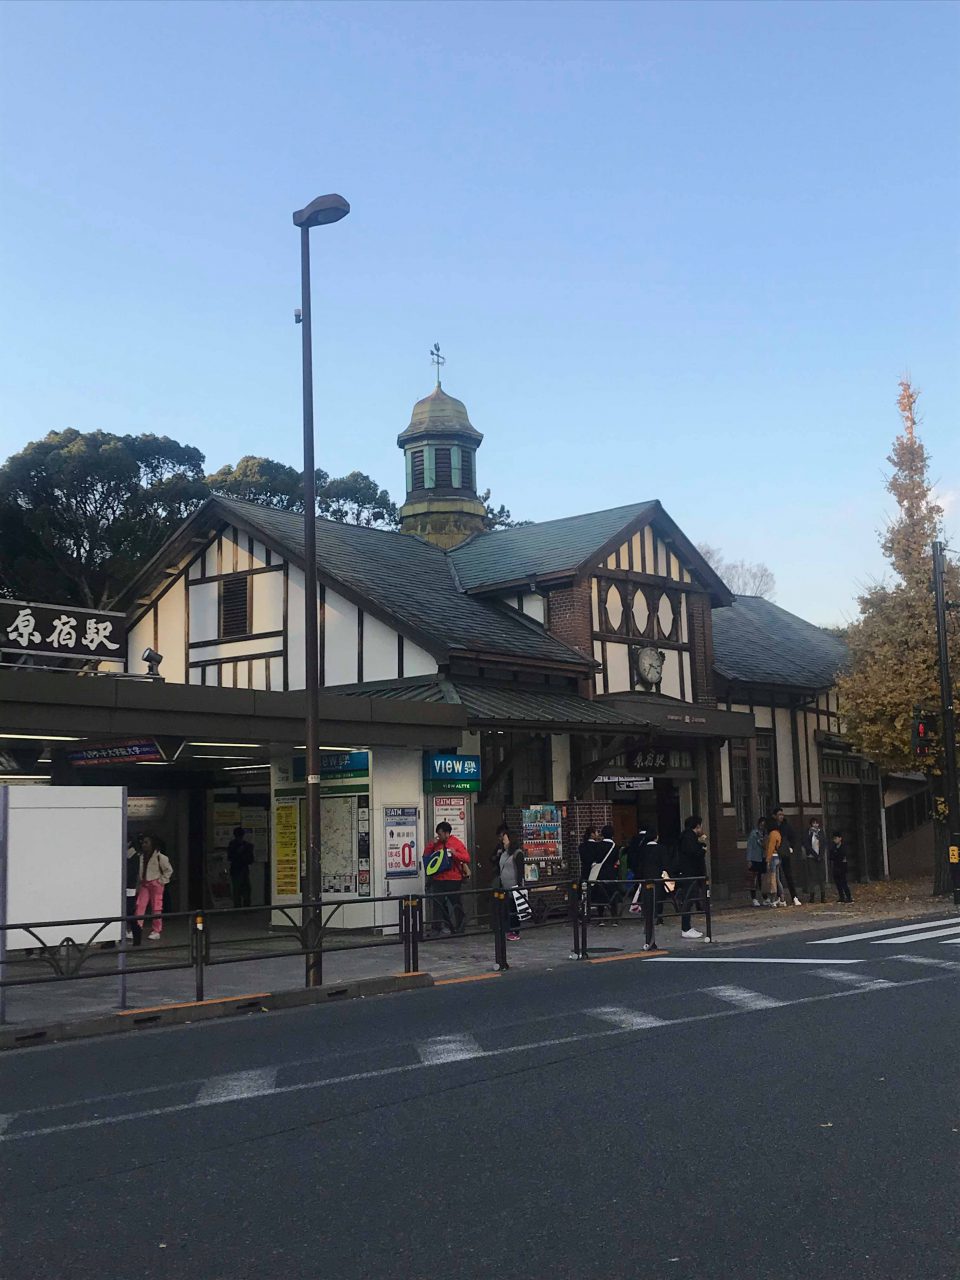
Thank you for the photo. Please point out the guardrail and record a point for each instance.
(437, 918)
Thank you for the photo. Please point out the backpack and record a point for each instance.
(440, 860)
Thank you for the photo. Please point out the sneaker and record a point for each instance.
(129, 935)
(634, 910)
(690, 933)
(513, 937)
(599, 923)
(797, 902)
(154, 937)
(755, 902)
(650, 946)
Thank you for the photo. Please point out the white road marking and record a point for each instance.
(941, 935)
(857, 980)
(930, 963)
(383, 1072)
(628, 1019)
(950, 925)
(742, 998)
(448, 1049)
(239, 1084)
(739, 960)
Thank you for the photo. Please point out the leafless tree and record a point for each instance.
(741, 576)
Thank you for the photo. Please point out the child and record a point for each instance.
(838, 866)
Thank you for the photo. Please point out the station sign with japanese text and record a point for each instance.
(400, 841)
(61, 631)
(134, 751)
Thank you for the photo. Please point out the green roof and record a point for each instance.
(535, 550)
(408, 579)
(757, 642)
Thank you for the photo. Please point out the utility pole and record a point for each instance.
(948, 722)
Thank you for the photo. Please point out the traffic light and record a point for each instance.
(924, 732)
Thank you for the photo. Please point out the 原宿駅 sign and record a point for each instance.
(61, 631)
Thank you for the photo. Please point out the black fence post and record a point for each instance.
(708, 918)
(416, 932)
(574, 908)
(499, 929)
(404, 925)
(584, 920)
(198, 943)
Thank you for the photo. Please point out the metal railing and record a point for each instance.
(436, 918)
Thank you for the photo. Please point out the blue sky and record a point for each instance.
(670, 250)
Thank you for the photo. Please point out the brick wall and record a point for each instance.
(701, 624)
(569, 616)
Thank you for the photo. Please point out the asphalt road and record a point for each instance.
(776, 1111)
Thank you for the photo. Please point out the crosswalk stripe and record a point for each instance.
(949, 925)
(239, 1084)
(629, 1019)
(929, 962)
(853, 979)
(742, 998)
(455, 1048)
(941, 935)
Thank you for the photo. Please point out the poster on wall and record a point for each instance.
(400, 841)
(452, 809)
(286, 854)
(540, 832)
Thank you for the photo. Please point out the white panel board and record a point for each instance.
(204, 623)
(785, 779)
(340, 640)
(65, 860)
(379, 650)
(267, 591)
(295, 646)
(670, 684)
(139, 638)
(534, 606)
(618, 668)
(170, 614)
(416, 661)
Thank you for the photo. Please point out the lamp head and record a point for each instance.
(321, 211)
(153, 660)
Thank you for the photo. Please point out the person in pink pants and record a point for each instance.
(156, 872)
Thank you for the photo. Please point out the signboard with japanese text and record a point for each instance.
(286, 848)
(123, 752)
(452, 809)
(336, 766)
(445, 772)
(540, 832)
(400, 841)
(61, 631)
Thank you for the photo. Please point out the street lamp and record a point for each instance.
(316, 214)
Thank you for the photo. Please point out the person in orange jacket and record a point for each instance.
(446, 864)
(774, 841)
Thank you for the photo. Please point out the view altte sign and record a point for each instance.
(61, 631)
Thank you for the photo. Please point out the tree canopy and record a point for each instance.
(893, 644)
(82, 511)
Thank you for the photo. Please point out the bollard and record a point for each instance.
(197, 942)
(708, 918)
(404, 911)
(584, 920)
(416, 932)
(500, 929)
(574, 900)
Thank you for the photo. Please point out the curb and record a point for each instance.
(128, 1020)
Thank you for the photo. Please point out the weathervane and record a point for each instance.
(437, 359)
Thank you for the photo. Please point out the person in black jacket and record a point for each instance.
(788, 842)
(838, 867)
(692, 861)
(648, 862)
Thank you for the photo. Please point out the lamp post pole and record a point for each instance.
(947, 721)
(319, 212)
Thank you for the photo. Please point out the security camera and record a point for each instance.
(297, 316)
(153, 660)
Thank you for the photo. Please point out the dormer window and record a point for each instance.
(235, 606)
(416, 469)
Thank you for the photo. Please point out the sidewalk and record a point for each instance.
(547, 947)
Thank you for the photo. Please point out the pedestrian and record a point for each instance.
(133, 930)
(446, 864)
(156, 872)
(757, 862)
(240, 857)
(788, 842)
(772, 850)
(838, 867)
(588, 852)
(605, 876)
(692, 865)
(509, 860)
(814, 858)
(652, 877)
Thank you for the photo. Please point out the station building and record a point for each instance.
(555, 675)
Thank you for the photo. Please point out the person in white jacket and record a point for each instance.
(156, 872)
